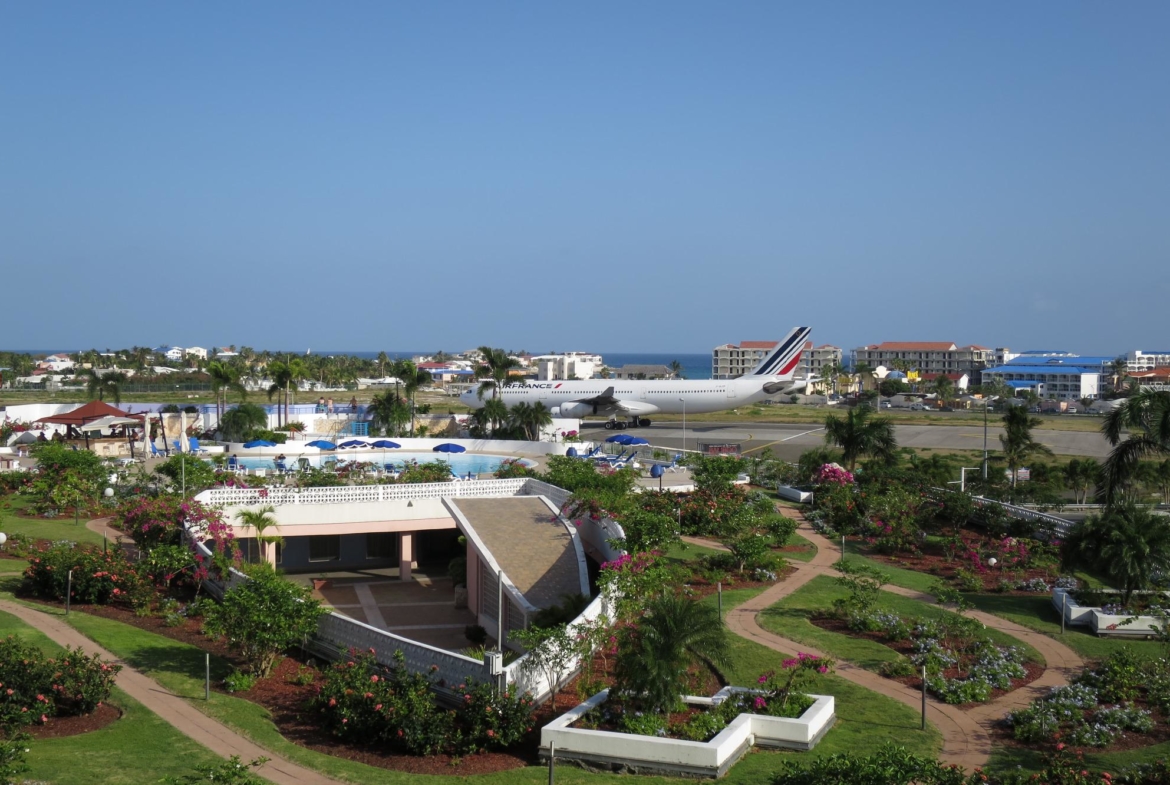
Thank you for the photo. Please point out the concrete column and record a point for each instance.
(405, 555)
(269, 553)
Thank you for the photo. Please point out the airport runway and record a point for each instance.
(789, 440)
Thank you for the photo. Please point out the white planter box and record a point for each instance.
(1108, 624)
(794, 494)
(1102, 623)
(631, 753)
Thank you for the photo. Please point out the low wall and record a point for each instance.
(492, 446)
(1101, 623)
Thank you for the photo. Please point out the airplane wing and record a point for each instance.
(604, 399)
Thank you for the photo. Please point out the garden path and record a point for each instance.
(179, 712)
(966, 732)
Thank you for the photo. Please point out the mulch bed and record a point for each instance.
(906, 648)
(933, 561)
(60, 727)
(701, 587)
(1001, 733)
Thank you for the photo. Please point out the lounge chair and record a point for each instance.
(613, 459)
(596, 451)
(155, 452)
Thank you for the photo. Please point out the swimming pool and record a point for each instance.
(461, 463)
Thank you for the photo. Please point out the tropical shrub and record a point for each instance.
(229, 772)
(367, 703)
(99, 577)
(185, 469)
(263, 616)
(431, 471)
(34, 687)
(159, 521)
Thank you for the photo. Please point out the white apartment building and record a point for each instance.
(732, 360)
(1056, 378)
(1146, 361)
(927, 356)
(570, 365)
(196, 351)
(816, 358)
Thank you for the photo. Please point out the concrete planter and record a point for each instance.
(631, 753)
(794, 494)
(1105, 624)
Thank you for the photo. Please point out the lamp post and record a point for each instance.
(963, 477)
(684, 403)
(985, 403)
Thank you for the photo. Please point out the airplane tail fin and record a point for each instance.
(782, 360)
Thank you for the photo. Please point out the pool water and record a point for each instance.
(461, 463)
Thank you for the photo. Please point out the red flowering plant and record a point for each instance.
(630, 579)
(779, 693)
(98, 578)
(160, 520)
(34, 688)
(893, 521)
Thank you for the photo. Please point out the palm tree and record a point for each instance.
(675, 632)
(99, 385)
(832, 371)
(944, 388)
(1145, 417)
(382, 359)
(223, 378)
(387, 413)
(1128, 544)
(1080, 475)
(284, 376)
(261, 519)
(1119, 370)
(413, 378)
(861, 370)
(859, 433)
(496, 412)
(676, 369)
(531, 418)
(1160, 479)
(494, 371)
(1016, 441)
(238, 423)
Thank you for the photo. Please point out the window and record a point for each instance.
(381, 545)
(325, 547)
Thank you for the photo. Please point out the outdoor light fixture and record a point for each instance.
(3, 539)
(109, 493)
(992, 561)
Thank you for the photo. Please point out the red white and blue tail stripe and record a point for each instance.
(783, 359)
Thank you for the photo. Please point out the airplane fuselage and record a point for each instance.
(636, 397)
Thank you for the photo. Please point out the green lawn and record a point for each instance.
(1037, 613)
(789, 618)
(805, 555)
(42, 528)
(138, 748)
(864, 721)
(898, 576)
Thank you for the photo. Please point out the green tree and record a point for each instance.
(224, 378)
(859, 433)
(1080, 474)
(676, 369)
(1017, 442)
(654, 655)
(100, 385)
(261, 519)
(412, 378)
(238, 423)
(388, 413)
(1143, 421)
(530, 418)
(494, 370)
(382, 359)
(263, 616)
(1118, 372)
(1127, 544)
(496, 412)
(197, 473)
(943, 387)
(285, 376)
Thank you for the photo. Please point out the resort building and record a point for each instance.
(570, 365)
(926, 356)
(732, 360)
(814, 359)
(1059, 377)
(1147, 361)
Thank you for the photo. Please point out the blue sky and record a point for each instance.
(651, 176)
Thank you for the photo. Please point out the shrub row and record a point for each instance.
(34, 687)
(367, 703)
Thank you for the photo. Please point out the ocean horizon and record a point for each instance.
(695, 366)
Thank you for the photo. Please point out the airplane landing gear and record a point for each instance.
(615, 425)
(644, 422)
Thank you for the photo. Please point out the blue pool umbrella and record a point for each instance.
(322, 444)
(386, 444)
(621, 438)
(259, 443)
(352, 443)
(448, 447)
(633, 441)
(571, 452)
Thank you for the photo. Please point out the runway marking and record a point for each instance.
(786, 438)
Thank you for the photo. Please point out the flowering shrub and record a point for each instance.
(34, 687)
(832, 473)
(98, 578)
(780, 692)
(570, 436)
(368, 703)
(512, 468)
(159, 521)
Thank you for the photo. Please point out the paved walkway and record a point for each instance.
(965, 732)
(179, 712)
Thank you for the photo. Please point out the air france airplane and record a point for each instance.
(636, 400)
